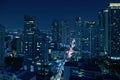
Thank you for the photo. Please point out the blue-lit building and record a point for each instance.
(15, 42)
(65, 33)
(110, 21)
(86, 38)
(2, 43)
(77, 34)
(35, 45)
(56, 37)
(103, 32)
(114, 28)
(81, 70)
(70, 69)
(16, 46)
(18, 75)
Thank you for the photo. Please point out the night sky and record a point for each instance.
(45, 11)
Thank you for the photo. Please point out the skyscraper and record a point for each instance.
(78, 32)
(16, 45)
(114, 28)
(56, 38)
(89, 39)
(2, 41)
(111, 24)
(101, 32)
(85, 34)
(35, 45)
(65, 33)
(29, 32)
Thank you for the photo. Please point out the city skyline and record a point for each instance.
(77, 47)
(12, 12)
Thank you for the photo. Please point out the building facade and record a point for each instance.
(35, 45)
(65, 33)
(110, 18)
(86, 38)
(56, 37)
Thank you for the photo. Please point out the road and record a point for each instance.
(58, 76)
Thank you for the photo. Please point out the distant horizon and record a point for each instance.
(45, 11)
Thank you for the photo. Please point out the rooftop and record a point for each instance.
(26, 76)
(72, 64)
(114, 4)
(80, 78)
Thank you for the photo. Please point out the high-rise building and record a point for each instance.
(85, 34)
(103, 32)
(16, 46)
(2, 41)
(13, 43)
(70, 69)
(78, 32)
(56, 38)
(89, 39)
(65, 33)
(110, 20)
(35, 45)
(29, 31)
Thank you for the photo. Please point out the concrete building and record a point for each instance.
(109, 20)
(56, 37)
(65, 33)
(35, 45)
(70, 69)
